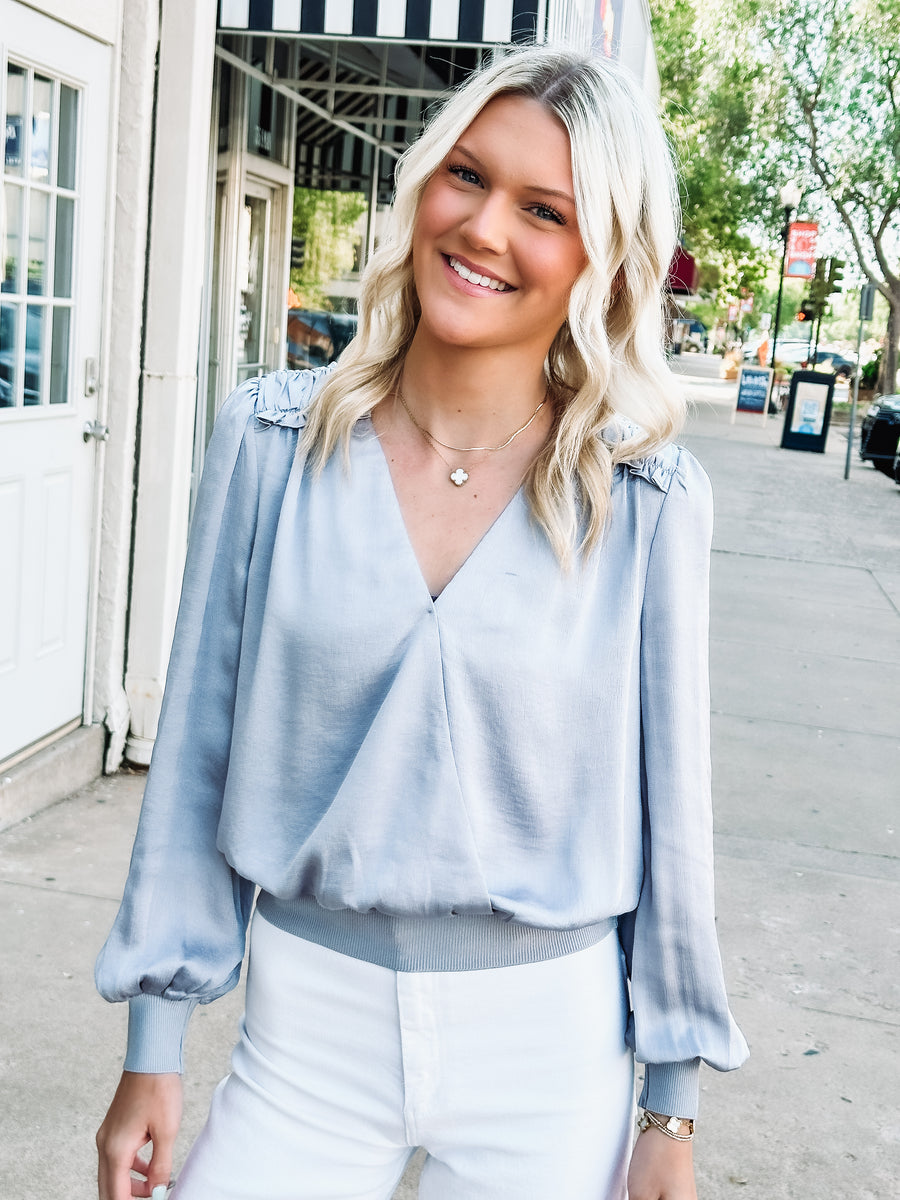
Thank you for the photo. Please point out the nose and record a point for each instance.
(487, 225)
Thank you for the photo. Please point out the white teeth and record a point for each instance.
(485, 281)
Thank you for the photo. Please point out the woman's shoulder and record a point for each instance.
(667, 464)
(279, 398)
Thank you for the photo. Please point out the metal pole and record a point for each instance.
(373, 205)
(785, 234)
(854, 400)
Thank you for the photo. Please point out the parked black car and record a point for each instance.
(831, 360)
(880, 433)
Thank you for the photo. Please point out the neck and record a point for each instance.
(471, 396)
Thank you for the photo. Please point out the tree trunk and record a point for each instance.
(887, 380)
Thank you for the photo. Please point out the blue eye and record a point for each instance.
(546, 213)
(464, 173)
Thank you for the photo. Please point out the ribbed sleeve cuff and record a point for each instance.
(672, 1089)
(156, 1029)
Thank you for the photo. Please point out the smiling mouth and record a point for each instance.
(488, 282)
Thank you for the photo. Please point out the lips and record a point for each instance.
(477, 276)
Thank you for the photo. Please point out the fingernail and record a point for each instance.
(159, 1192)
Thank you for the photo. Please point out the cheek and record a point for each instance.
(436, 212)
(556, 266)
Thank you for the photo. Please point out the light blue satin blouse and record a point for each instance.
(503, 774)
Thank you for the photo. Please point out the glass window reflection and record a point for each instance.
(41, 128)
(35, 326)
(59, 356)
(15, 119)
(38, 231)
(38, 243)
(9, 341)
(63, 249)
(68, 137)
(11, 239)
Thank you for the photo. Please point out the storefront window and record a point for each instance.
(268, 130)
(267, 122)
(225, 76)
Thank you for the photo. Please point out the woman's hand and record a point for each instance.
(661, 1168)
(145, 1108)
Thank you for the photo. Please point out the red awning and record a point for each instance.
(682, 272)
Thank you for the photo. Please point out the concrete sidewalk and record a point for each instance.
(806, 724)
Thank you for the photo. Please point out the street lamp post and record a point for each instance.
(790, 200)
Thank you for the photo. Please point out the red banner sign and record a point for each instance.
(800, 262)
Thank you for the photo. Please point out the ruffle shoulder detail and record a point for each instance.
(658, 468)
(283, 397)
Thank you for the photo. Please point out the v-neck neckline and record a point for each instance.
(464, 566)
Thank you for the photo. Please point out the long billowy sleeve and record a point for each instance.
(680, 1010)
(179, 935)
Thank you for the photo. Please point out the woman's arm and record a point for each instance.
(178, 938)
(680, 1008)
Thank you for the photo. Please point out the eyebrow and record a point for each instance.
(459, 148)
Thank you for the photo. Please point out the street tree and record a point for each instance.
(761, 91)
(704, 109)
(839, 65)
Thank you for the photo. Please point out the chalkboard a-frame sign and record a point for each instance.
(754, 385)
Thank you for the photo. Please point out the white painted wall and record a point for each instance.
(99, 18)
(133, 132)
(175, 276)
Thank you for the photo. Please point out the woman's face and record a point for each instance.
(496, 247)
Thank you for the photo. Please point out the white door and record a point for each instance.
(54, 107)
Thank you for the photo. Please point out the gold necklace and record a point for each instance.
(459, 475)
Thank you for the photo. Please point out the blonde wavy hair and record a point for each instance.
(607, 360)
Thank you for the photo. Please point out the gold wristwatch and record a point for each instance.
(680, 1129)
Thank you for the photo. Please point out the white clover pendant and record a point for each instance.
(459, 476)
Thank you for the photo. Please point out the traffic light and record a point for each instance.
(835, 274)
(807, 312)
(818, 286)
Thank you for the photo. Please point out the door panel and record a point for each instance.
(54, 107)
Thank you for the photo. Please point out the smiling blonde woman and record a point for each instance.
(438, 690)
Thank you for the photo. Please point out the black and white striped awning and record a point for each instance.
(469, 22)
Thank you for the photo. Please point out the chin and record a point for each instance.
(461, 332)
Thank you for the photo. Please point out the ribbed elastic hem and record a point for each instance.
(156, 1029)
(672, 1088)
(457, 943)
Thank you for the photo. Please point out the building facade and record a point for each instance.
(151, 156)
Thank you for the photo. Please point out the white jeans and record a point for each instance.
(516, 1081)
